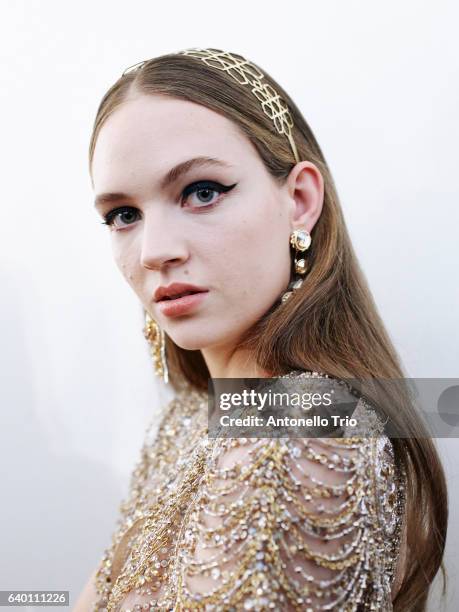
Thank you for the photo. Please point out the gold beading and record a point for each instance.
(263, 524)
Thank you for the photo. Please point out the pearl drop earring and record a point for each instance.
(301, 241)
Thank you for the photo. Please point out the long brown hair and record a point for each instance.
(331, 324)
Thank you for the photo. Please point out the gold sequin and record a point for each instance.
(254, 524)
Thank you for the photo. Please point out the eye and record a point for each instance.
(123, 216)
(126, 214)
(205, 192)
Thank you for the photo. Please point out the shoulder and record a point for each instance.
(385, 489)
(301, 514)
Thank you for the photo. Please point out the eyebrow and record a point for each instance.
(174, 173)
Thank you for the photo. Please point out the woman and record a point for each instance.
(212, 183)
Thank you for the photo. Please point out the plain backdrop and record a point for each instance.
(377, 82)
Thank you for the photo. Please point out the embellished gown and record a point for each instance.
(254, 524)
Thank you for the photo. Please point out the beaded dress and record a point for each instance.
(254, 523)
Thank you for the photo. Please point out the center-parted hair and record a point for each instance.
(331, 324)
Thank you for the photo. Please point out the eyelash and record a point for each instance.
(189, 190)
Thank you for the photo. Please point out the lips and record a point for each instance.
(179, 295)
(176, 290)
(179, 306)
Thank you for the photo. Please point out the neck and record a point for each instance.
(232, 363)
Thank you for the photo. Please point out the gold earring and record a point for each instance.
(301, 241)
(156, 338)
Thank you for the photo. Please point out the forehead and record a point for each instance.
(149, 134)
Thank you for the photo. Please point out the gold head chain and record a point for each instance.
(245, 73)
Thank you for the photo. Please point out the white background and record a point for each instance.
(378, 83)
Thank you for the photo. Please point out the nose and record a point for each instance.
(162, 243)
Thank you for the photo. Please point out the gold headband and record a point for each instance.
(245, 73)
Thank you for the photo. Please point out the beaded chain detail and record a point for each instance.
(254, 524)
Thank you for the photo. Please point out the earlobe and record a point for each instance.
(306, 188)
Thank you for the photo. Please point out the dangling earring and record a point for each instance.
(156, 338)
(301, 241)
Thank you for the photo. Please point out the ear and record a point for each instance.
(305, 187)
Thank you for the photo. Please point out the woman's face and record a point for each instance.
(222, 225)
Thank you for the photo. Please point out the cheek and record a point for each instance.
(125, 259)
(254, 253)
